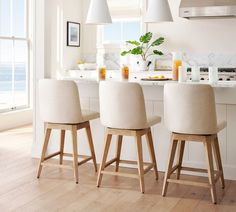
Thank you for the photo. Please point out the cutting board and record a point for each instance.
(153, 79)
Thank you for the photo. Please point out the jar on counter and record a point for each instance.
(101, 72)
(177, 62)
(182, 74)
(195, 73)
(213, 75)
(124, 72)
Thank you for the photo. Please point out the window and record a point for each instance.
(126, 17)
(14, 55)
(121, 31)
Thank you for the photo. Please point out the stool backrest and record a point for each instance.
(190, 109)
(122, 105)
(59, 101)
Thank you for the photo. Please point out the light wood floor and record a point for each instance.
(56, 190)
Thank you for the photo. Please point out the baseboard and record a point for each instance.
(15, 119)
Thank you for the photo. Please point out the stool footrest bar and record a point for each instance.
(194, 169)
(85, 160)
(52, 155)
(110, 162)
(187, 182)
(148, 168)
(56, 165)
(120, 174)
(174, 168)
(133, 162)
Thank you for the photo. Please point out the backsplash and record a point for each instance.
(212, 59)
(113, 60)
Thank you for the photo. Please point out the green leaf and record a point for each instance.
(158, 41)
(133, 42)
(146, 38)
(137, 50)
(157, 52)
(125, 53)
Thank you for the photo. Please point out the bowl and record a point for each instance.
(81, 66)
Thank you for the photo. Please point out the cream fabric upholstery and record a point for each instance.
(89, 115)
(59, 103)
(190, 109)
(122, 106)
(221, 125)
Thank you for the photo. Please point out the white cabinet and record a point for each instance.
(194, 152)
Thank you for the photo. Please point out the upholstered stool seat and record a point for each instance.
(123, 113)
(88, 115)
(153, 120)
(190, 114)
(221, 125)
(60, 109)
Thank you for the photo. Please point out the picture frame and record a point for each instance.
(73, 34)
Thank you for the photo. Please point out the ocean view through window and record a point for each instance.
(14, 55)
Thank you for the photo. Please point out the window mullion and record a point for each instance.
(11, 17)
(13, 74)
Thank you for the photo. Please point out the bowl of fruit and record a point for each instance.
(156, 78)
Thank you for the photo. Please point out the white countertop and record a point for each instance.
(220, 84)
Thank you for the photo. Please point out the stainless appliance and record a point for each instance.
(207, 8)
(224, 74)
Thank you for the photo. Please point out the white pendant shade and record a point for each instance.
(158, 11)
(98, 13)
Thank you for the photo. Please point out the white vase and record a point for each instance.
(143, 65)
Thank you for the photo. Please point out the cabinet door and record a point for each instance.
(231, 135)
(161, 137)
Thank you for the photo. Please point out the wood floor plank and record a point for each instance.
(56, 190)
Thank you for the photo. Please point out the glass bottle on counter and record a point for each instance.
(177, 62)
(124, 72)
(195, 73)
(101, 73)
(213, 75)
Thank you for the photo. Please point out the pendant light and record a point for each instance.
(98, 13)
(158, 11)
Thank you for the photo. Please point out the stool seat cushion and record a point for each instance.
(88, 115)
(152, 120)
(221, 125)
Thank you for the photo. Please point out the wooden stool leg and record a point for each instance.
(208, 151)
(62, 145)
(90, 141)
(118, 151)
(104, 158)
(140, 162)
(216, 151)
(45, 146)
(180, 158)
(169, 164)
(75, 153)
(152, 152)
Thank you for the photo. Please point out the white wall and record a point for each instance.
(89, 39)
(58, 56)
(190, 36)
(197, 36)
(52, 56)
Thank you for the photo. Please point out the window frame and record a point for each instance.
(28, 72)
(123, 20)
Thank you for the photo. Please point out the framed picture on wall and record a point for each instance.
(73, 34)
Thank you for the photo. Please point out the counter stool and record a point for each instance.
(60, 109)
(123, 113)
(190, 115)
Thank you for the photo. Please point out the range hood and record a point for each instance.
(207, 8)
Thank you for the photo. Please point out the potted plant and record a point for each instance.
(145, 47)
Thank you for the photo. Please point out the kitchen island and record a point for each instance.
(225, 93)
